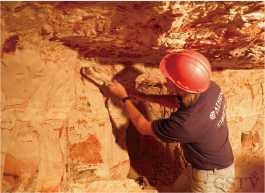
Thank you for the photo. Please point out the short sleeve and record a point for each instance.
(170, 130)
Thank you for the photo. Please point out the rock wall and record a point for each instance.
(61, 132)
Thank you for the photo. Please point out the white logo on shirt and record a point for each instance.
(212, 115)
(221, 122)
(217, 107)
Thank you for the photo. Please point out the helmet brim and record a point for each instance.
(163, 66)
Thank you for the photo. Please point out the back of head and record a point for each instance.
(189, 70)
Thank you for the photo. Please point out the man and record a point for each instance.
(199, 124)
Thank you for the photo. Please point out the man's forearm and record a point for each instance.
(140, 122)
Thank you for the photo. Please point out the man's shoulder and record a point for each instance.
(213, 90)
(214, 85)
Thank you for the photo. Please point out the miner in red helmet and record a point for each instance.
(199, 124)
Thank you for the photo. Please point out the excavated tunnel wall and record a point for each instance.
(61, 132)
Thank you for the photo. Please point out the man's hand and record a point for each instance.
(118, 90)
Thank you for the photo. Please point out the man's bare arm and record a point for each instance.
(140, 122)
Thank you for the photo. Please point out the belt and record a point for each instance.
(212, 169)
(221, 168)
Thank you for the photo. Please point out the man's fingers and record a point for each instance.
(115, 83)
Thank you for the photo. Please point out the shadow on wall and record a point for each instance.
(129, 40)
(148, 157)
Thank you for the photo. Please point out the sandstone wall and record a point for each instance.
(61, 132)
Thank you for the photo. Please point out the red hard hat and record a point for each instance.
(189, 70)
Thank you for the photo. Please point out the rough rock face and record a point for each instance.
(64, 133)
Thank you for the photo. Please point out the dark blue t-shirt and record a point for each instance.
(202, 130)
